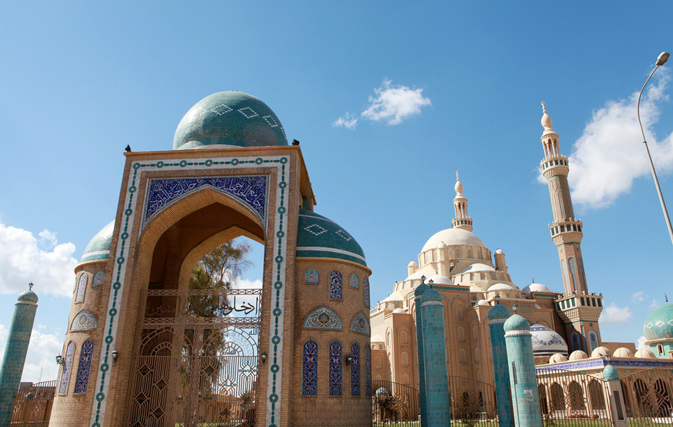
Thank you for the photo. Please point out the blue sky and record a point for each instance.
(80, 81)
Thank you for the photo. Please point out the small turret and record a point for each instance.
(500, 264)
(462, 220)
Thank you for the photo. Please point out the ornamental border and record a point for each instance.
(274, 383)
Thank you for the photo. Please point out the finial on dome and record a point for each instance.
(546, 120)
(30, 286)
(544, 110)
(458, 187)
(665, 297)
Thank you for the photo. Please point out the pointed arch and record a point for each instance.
(360, 324)
(65, 375)
(84, 320)
(335, 369)
(355, 369)
(335, 285)
(81, 287)
(84, 367)
(323, 318)
(310, 369)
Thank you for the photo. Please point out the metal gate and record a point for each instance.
(572, 399)
(472, 402)
(648, 397)
(197, 360)
(394, 403)
(32, 405)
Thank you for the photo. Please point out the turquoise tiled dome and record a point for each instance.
(498, 311)
(660, 323)
(320, 237)
(28, 296)
(610, 373)
(516, 323)
(229, 118)
(431, 295)
(99, 247)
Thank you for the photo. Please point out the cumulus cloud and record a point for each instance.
(42, 260)
(641, 342)
(638, 296)
(390, 104)
(609, 155)
(40, 365)
(614, 315)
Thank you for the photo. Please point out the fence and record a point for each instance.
(647, 396)
(33, 403)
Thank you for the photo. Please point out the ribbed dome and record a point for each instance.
(535, 287)
(578, 355)
(558, 358)
(99, 247)
(320, 237)
(623, 352)
(229, 119)
(645, 353)
(600, 352)
(547, 342)
(450, 237)
(660, 323)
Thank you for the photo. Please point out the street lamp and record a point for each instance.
(661, 60)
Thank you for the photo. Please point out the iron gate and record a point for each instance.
(648, 397)
(197, 360)
(32, 405)
(394, 404)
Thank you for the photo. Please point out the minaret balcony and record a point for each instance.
(465, 221)
(579, 307)
(565, 227)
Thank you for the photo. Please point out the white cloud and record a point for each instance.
(638, 296)
(614, 315)
(609, 155)
(391, 104)
(641, 342)
(655, 304)
(40, 363)
(24, 259)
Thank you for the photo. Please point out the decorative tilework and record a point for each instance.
(99, 278)
(323, 318)
(81, 288)
(84, 320)
(84, 367)
(355, 369)
(354, 281)
(310, 374)
(360, 324)
(335, 285)
(593, 340)
(335, 371)
(249, 190)
(575, 341)
(65, 375)
(366, 292)
(311, 276)
(368, 371)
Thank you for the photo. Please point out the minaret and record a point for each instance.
(578, 308)
(462, 219)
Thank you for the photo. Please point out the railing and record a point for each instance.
(33, 403)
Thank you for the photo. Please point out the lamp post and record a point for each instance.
(661, 60)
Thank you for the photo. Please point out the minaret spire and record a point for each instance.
(462, 220)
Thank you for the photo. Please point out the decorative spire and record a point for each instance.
(461, 220)
(30, 286)
(458, 187)
(665, 297)
(546, 120)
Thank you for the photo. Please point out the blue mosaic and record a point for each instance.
(575, 339)
(99, 278)
(366, 292)
(368, 371)
(311, 276)
(84, 367)
(335, 371)
(335, 285)
(355, 370)
(310, 375)
(65, 375)
(360, 324)
(81, 288)
(84, 320)
(250, 190)
(354, 281)
(593, 340)
(323, 318)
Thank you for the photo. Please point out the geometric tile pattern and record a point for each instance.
(310, 375)
(81, 288)
(311, 276)
(335, 285)
(65, 375)
(84, 320)
(354, 281)
(84, 367)
(335, 371)
(355, 370)
(323, 318)
(360, 324)
(99, 278)
(366, 286)
(368, 371)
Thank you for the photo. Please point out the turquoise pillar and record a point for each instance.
(15, 352)
(419, 349)
(523, 379)
(434, 355)
(497, 316)
(615, 399)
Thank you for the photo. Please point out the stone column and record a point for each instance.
(434, 353)
(419, 350)
(15, 352)
(523, 379)
(497, 316)
(613, 396)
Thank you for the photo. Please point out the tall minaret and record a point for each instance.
(578, 308)
(462, 219)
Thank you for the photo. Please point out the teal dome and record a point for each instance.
(660, 323)
(431, 295)
(610, 373)
(516, 323)
(229, 118)
(420, 289)
(99, 247)
(498, 311)
(28, 296)
(320, 237)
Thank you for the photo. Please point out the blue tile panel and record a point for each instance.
(524, 382)
(434, 355)
(65, 375)
(335, 369)
(335, 285)
(354, 281)
(323, 318)
(311, 276)
(355, 370)
(501, 373)
(84, 367)
(81, 287)
(368, 371)
(84, 320)
(310, 374)
(360, 324)
(99, 278)
(366, 293)
(15, 356)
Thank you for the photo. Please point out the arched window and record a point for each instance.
(459, 312)
(461, 334)
(405, 379)
(311, 276)
(84, 367)
(335, 285)
(368, 371)
(335, 373)
(576, 397)
(379, 362)
(462, 356)
(355, 369)
(388, 339)
(366, 292)
(593, 340)
(354, 281)
(310, 374)
(557, 399)
(575, 339)
(475, 333)
(477, 359)
(81, 288)
(404, 340)
(573, 273)
(65, 375)
(596, 395)
(564, 267)
(405, 358)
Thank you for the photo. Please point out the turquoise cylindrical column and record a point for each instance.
(15, 352)
(434, 355)
(615, 399)
(497, 316)
(523, 379)
(419, 349)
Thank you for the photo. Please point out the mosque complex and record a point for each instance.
(145, 348)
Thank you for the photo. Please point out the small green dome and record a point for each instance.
(431, 295)
(229, 118)
(660, 323)
(498, 311)
(99, 247)
(320, 237)
(420, 289)
(516, 323)
(28, 296)
(610, 373)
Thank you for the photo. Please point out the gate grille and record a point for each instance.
(32, 405)
(647, 396)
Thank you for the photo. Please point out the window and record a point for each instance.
(355, 370)
(81, 288)
(335, 285)
(335, 369)
(368, 371)
(65, 375)
(84, 367)
(310, 371)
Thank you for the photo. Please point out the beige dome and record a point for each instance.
(600, 352)
(557, 358)
(645, 353)
(623, 352)
(578, 355)
(451, 237)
